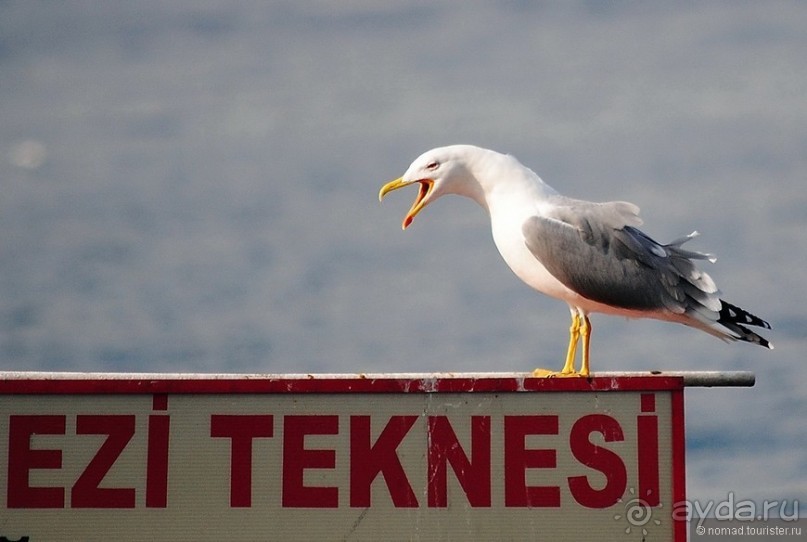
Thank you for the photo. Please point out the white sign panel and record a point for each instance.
(342, 459)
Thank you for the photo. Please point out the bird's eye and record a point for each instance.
(433, 165)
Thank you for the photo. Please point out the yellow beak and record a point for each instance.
(426, 186)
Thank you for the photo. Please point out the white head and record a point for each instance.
(444, 170)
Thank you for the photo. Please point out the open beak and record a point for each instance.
(426, 186)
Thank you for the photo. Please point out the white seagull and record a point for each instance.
(590, 255)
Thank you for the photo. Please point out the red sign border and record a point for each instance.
(128, 384)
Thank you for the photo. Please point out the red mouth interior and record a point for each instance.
(423, 190)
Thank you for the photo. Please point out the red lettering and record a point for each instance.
(86, 493)
(241, 429)
(598, 458)
(473, 475)
(296, 458)
(517, 459)
(647, 444)
(157, 455)
(367, 460)
(21, 459)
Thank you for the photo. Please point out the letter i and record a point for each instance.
(647, 444)
(157, 455)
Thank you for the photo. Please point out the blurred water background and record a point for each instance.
(191, 186)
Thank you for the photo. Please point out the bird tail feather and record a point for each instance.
(733, 318)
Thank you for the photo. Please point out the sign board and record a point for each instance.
(405, 457)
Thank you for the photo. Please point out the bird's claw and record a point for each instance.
(546, 373)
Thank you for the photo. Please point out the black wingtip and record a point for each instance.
(735, 315)
(733, 318)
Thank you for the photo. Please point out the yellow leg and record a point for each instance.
(574, 337)
(586, 330)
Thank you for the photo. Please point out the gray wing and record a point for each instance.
(596, 250)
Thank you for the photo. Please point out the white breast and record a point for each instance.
(514, 250)
(507, 215)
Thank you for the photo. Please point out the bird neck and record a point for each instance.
(497, 182)
(518, 188)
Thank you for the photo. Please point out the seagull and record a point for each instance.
(590, 255)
